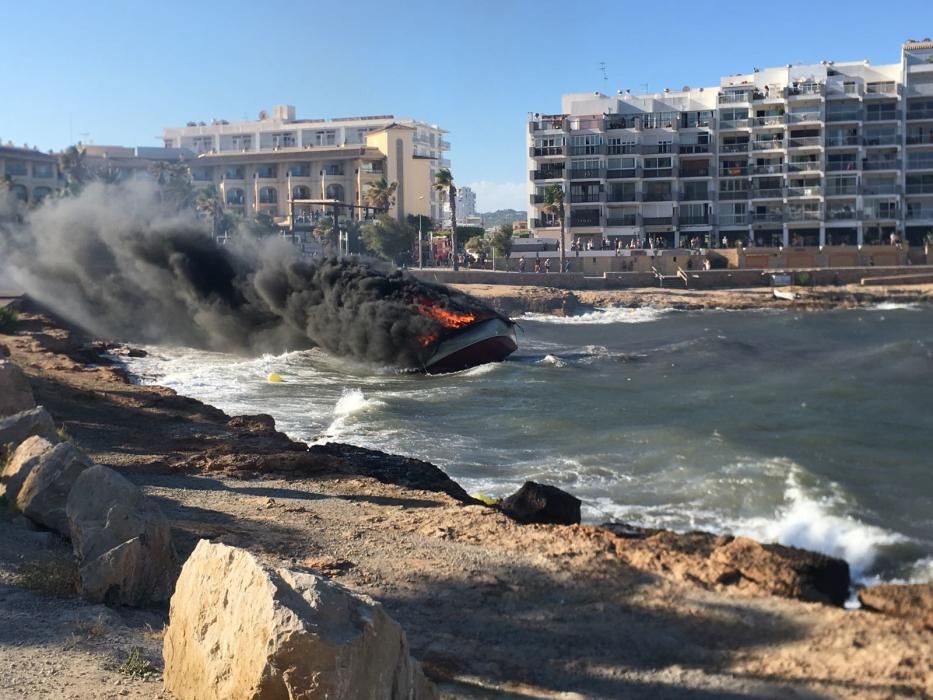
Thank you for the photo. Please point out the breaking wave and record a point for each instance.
(610, 314)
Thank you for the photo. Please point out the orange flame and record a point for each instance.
(445, 317)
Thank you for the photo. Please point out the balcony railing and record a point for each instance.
(734, 148)
(554, 124)
(795, 214)
(733, 220)
(886, 140)
(773, 120)
(800, 117)
(729, 98)
(885, 116)
(547, 174)
(621, 174)
(841, 141)
(584, 197)
(593, 149)
(537, 199)
(871, 189)
(622, 149)
(687, 148)
(843, 214)
(624, 220)
(623, 196)
(917, 139)
(847, 115)
(658, 196)
(693, 172)
(652, 148)
(659, 172)
(916, 162)
(693, 196)
(616, 122)
(768, 145)
(882, 213)
(838, 190)
(547, 151)
(920, 188)
(734, 171)
(919, 212)
(922, 113)
(841, 165)
(658, 220)
(584, 221)
(805, 142)
(544, 223)
(805, 89)
(882, 164)
(769, 169)
(773, 216)
(585, 173)
(698, 220)
(738, 194)
(774, 193)
(734, 124)
(804, 167)
(811, 191)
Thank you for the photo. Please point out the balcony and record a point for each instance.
(774, 216)
(693, 172)
(775, 193)
(882, 213)
(872, 189)
(738, 194)
(809, 191)
(536, 199)
(804, 167)
(734, 171)
(658, 196)
(691, 148)
(883, 140)
(619, 122)
(920, 161)
(773, 120)
(444, 145)
(769, 169)
(622, 149)
(805, 90)
(658, 172)
(918, 139)
(585, 197)
(847, 115)
(654, 148)
(544, 223)
(733, 98)
(546, 151)
(846, 213)
(841, 141)
(886, 116)
(806, 142)
(547, 174)
(727, 124)
(840, 190)
(915, 212)
(587, 174)
(658, 220)
(623, 196)
(841, 166)
(549, 124)
(694, 196)
(734, 148)
(802, 117)
(699, 220)
(593, 149)
(919, 188)
(585, 221)
(622, 174)
(797, 214)
(885, 164)
(733, 220)
(768, 145)
(623, 220)
(918, 114)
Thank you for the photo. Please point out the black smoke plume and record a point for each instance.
(113, 262)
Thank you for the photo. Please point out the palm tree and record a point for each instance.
(208, 203)
(444, 182)
(73, 166)
(554, 205)
(381, 194)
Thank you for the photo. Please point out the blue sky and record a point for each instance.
(110, 72)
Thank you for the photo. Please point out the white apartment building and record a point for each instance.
(466, 204)
(819, 154)
(33, 175)
(281, 131)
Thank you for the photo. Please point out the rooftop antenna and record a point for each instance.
(602, 67)
(644, 87)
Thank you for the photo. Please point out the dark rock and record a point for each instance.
(15, 391)
(390, 469)
(912, 601)
(540, 503)
(16, 428)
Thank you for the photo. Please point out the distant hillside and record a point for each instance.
(502, 216)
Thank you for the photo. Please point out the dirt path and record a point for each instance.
(491, 608)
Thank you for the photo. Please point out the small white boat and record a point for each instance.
(786, 296)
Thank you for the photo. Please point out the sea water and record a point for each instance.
(811, 429)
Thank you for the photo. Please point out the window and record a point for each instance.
(849, 88)
(201, 174)
(733, 185)
(657, 163)
(242, 142)
(299, 170)
(659, 120)
(203, 144)
(585, 164)
(43, 170)
(16, 167)
(586, 144)
(621, 163)
(333, 169)
(233, 172)
(265, 171)
(285, 140)
(880, 87)
(877, 112)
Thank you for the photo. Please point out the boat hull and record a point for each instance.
(491, 340)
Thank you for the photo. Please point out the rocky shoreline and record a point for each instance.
(490, 606)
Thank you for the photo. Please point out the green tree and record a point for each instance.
(208, 203)
(477, 245)
(381, 194)
(387, 237)
(444, 183)
(501, 240)
(554, 205)
(72, 163)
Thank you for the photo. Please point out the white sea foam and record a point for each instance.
(351, 403)
(611, 314)
(895, 306)
(552, 360)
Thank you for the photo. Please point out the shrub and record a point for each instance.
(8, 318)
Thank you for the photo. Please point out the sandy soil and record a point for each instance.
(493, 609)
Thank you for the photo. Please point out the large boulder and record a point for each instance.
(540, 503)
(912, 601)
(45, 489)
(238, 629)
(21, 462)
(19, 426)
(121, 539)
(15, 392)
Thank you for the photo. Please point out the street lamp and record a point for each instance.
(420, 219)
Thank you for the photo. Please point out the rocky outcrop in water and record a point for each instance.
(239, 629)
(541, 503)
(121, 539)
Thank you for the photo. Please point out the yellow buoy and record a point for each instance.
(274, 377)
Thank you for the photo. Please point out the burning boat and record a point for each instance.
(467, 339)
